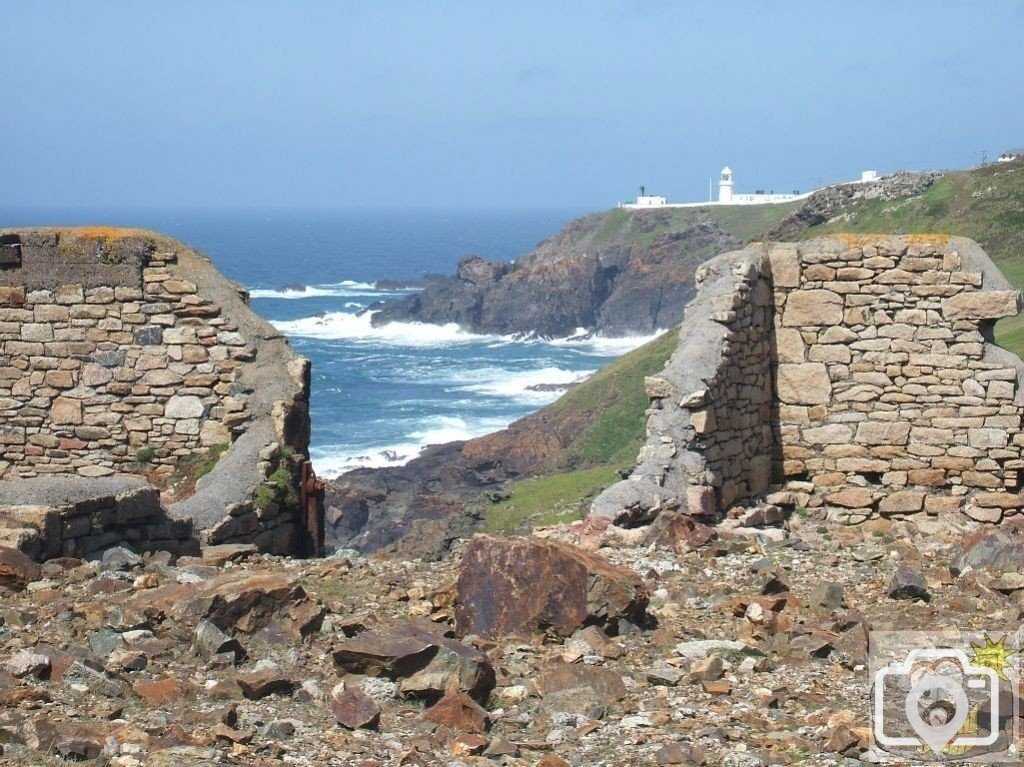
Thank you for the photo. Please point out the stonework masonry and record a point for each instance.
(124, 353)
(108, 360)
(710, 439)
(885, 394)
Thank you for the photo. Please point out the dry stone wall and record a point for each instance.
(89, 516)
(710, 437)
(107, 356)
(123, 354)
(891, 397)
(856, 374)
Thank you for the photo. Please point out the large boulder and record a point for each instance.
(524, 586)
(423, 661)
(16, 569)
(244, 601)
(998, 550)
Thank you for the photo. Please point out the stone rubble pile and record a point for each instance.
(750, 649)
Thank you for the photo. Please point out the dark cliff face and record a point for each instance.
(616, 273)
(419, 508)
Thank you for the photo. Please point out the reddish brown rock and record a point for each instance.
(459, 712)
(218, 556)
(426, 662)
(164, 691)
(16, 569)
(599, 684)
(259, 684)
(355, 710)
(522, 586)
(243, 601)
(841, 739)
(468, 745)
(680, 532)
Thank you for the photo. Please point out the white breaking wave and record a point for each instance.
(345, 326)
(520, 385)
(603, 346)
(343, 289)
(436, 430)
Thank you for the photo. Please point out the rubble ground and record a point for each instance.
(753, 653)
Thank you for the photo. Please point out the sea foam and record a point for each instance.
(333, 460)
(343, 289)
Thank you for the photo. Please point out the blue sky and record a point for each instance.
(446, 103)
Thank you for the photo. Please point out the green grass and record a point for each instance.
(145, 454)
(611, 405)
(209, 459)
(547, 500)
(606, 417)
(644, 227)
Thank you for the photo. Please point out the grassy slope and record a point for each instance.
(612, 402)
(643, 227)
(985, 204)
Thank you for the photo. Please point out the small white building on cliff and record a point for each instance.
(726, 196)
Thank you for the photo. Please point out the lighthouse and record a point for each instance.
(725, 185)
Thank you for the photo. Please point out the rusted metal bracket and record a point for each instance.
(311, 494)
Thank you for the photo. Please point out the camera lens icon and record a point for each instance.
(932, 694)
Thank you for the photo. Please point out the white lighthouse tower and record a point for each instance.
(725, 185)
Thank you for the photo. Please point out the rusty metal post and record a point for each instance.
(312, 492)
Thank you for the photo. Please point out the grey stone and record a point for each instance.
(210, 641)
(908, 583)
(27, 663)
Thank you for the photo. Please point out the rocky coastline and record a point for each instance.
(617, 273)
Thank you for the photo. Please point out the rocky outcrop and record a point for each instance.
(528, 586)
(124, 354)
(615, 273)
(420, 508)
(832, 203)
(857, 371)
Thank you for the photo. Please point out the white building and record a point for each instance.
(728, 196)
(649, 201)
(1010, 155)
(725, 185)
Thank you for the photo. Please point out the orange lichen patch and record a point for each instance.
(861, 240)
(100, 232)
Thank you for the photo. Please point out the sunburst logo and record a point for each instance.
(993, 655)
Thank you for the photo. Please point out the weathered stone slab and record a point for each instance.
(510, 586)
(882, 433)
(803, 384)
(813, 307)
(903, 502)
(982, 305)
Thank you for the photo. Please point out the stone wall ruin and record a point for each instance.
(124, 354)
(886, 397)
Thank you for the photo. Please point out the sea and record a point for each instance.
(379, 395)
